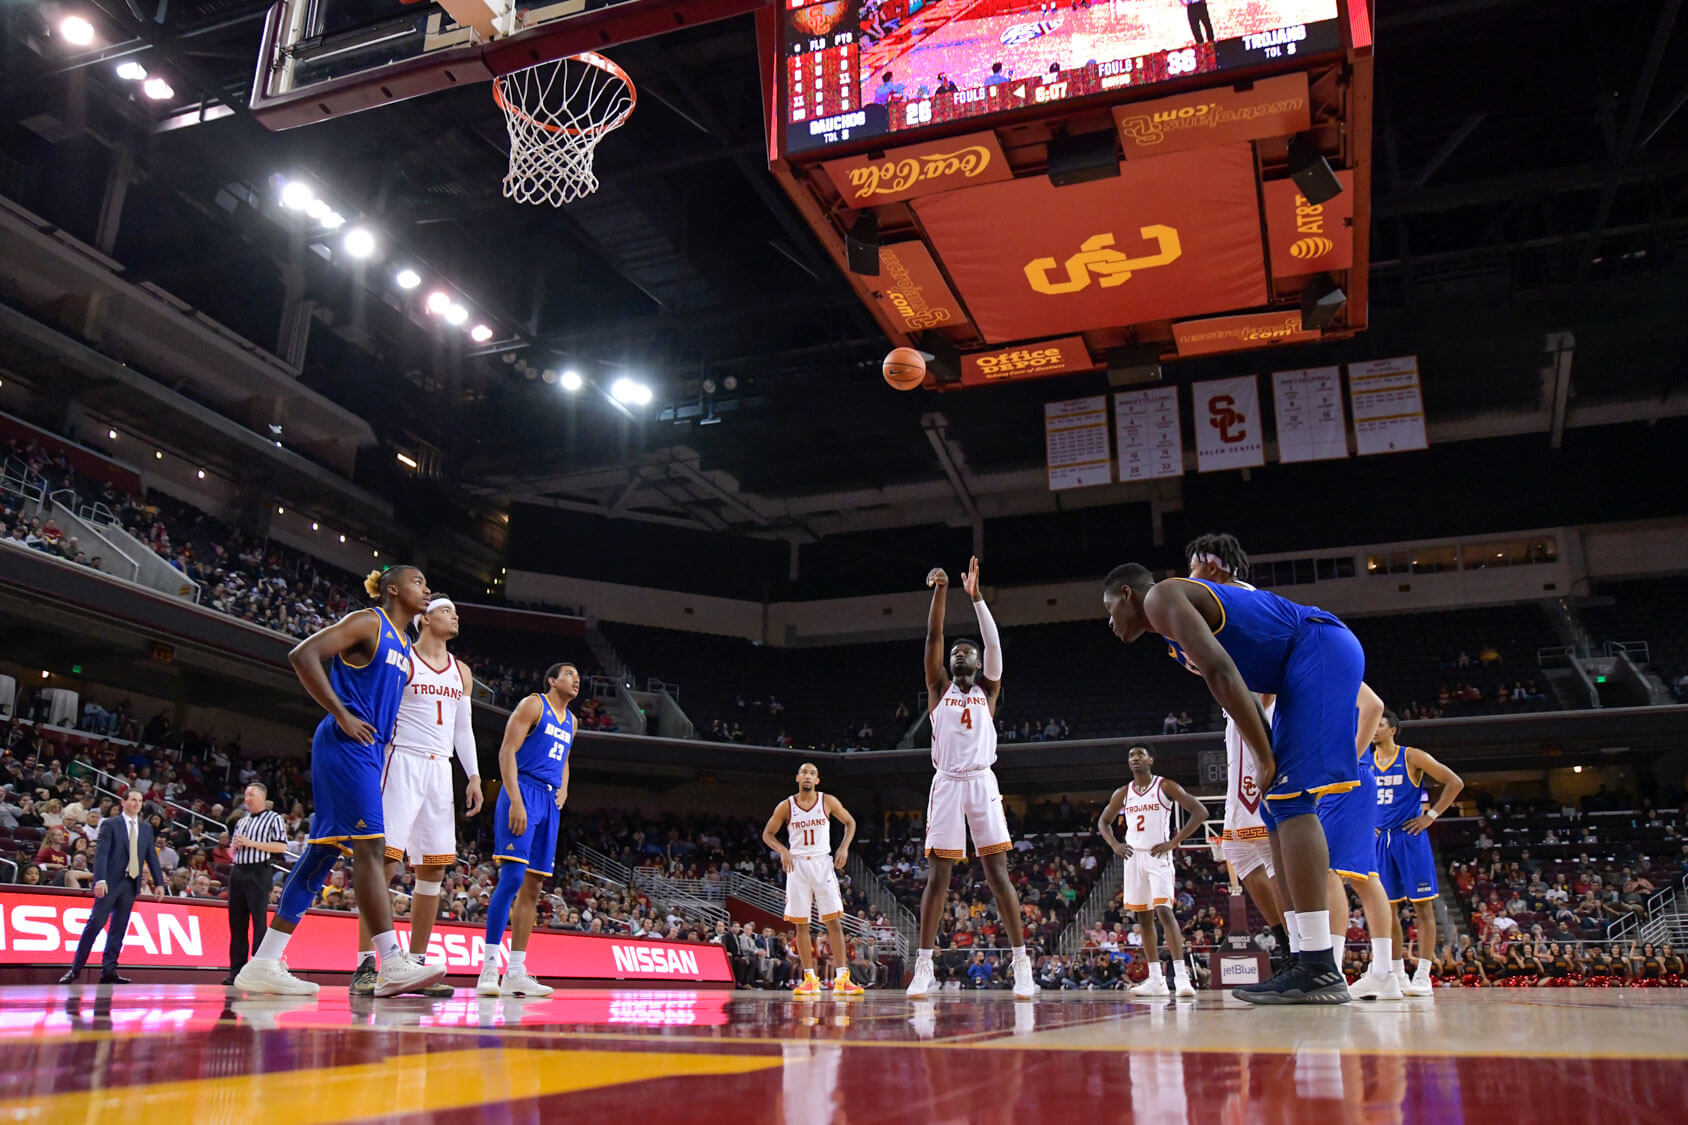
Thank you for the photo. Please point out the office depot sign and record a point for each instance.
(43, 927)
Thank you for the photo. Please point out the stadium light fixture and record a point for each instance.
(630, 392)
(334, 220)
(77, 31)
(571, 381)
(314, 526)
(438, 301)
(318, 209)
(200, 474)
(158, 455)
(407, 279)
(280, 511)
(296, 195)
(157, 89)
(112, 434)
(360, 242)
(480, 333)
(131, 71)
(375, 554)
(456, 315)
(407, 460)
(342, 538)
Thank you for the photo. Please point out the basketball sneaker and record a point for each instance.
(439, 990)
(1300, 984)
(809, 986)
(404, 975)
(1182, 988)
(1370, 986)
(270, 975)
(363, 979)
(1153, 987)
(487, 983)
(1419, 983)
(842, 985)
(1025, 985)
(925, 981)
(521, 984)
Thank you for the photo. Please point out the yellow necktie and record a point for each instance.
(134, 847)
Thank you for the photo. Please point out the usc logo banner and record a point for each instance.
(1029, 262)
(1228, 431)
(1094, 256)
(903, 173)
(1309, 237)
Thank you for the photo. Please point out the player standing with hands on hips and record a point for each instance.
(811, 875)
(962, 701)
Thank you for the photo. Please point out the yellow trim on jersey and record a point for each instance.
(1197, 582)
(1252, 832)
(991, 849)
(830, 917)
(1355, 875)
(396, 854)
(1390, 764)
(1421, 775)
(338, 839)
(1335, 787)
(511, 859)
(946, 853)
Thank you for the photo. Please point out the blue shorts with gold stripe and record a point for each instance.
(537, 847)
(1349, 819)
(1314, 727)
(346, 788)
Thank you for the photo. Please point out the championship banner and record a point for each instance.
(1311, 422)
(43, 929)
(1239, 333)
(1228, 430)
(1167, 238)
(1075, 437)
(1151, 444)
(903, 173)
(1388, 405)
(1034, 361)
(915, 295)
(1274, 107)
(1308, 237)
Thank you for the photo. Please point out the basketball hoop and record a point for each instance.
(557, 112)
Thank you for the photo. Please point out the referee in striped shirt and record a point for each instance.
(259, 839)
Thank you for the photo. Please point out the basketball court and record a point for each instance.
(174, 1053)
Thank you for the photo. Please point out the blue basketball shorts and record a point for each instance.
(1406, 865)
(346, 788)
(537, 847)
(1314, 727)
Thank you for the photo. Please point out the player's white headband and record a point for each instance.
(437, 602)
(1210, 560)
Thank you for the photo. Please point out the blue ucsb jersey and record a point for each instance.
(373, 691)
(1399, 797)
(545, 750)
(1258, 629)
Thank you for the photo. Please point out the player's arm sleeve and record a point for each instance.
(993, 641)
(463, 739)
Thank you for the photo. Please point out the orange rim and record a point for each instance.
(590, 58)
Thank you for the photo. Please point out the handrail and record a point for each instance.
(13, 865)
(123, 782)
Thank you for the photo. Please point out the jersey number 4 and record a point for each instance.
(967, 718)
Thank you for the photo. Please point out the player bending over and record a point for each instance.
(533, 760)
(361, 693)
(964, 795)
(1149, 875)
(416, 798)
(811, 875)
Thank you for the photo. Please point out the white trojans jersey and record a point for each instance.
(1242, 786)
(1146, 822)
(963, 732)
(427, 719)
(808, 831)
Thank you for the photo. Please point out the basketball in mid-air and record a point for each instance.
(905, 368)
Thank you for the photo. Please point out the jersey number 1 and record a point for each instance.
(808, 837)
(439, 713)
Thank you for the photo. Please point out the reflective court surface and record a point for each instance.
(146, 1053)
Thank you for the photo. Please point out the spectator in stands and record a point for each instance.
(1169, 725)
(52, 856)
(981, 972)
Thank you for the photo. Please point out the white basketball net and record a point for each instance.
(556, 113)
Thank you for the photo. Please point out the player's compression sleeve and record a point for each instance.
(463, 738)
(993, 642)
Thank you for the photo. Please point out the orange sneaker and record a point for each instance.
(810, 985)
(842, 985)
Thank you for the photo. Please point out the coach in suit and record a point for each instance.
(125, 846)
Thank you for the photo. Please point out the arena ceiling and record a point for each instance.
(1532, 177)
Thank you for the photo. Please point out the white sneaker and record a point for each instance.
(1183, 989)
(520, 984)
(1025, 988)
(270, 975)
(403, 975)
(1416, 986)
(1372, 987)
(925, 981)
(487, 984)
(1154, 986)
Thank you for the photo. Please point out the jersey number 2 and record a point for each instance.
(967, 718)
(1140, 822)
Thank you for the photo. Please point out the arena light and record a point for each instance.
(630, 392)
(342, 538)
(296, 195)
(571, 381)
(480, 333)
(77, 31)
(407, 460)
(334, 220)
(112, 434)
(200, 474)
(360, 242)
(131, 71)
(456, 315)
(375, 554)
(157, 89)
(314, 526)
(438, 302)
(407, 279)
(158, 455)
(280, 511)
(318, 209)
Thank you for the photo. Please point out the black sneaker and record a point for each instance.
(363, 981)
(1301, 984)
(1271, 982)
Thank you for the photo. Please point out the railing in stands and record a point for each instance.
(653, 885)
(903, 921)
(113, 786)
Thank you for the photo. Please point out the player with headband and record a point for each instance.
(433, 724)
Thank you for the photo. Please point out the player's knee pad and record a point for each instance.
(308, 876)
(426, 887)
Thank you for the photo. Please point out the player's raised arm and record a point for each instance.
(1452, 783)
(1195, 815)
(770, 834)
(356, 632)
(835, 809)
(937, 679)
(1105, 823)
(1371, 710)
(991, 668)
(522, 720)
(463, 742)
(1171, 614)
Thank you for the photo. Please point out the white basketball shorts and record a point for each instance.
(812, 883)
(418, 805)
(1247, 856)
(1148, 880)
(959, 802)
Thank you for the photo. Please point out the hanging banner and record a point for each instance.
(1075, 436)
(903, 173)
(1308, 237)
(1031, 361)
(1311, 423)
(1270, 107)
(1388, 405)
(1228, 430)
(1151, 444)
(1239, 333)
(915, 296)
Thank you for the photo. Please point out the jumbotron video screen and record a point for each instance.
(867, 68)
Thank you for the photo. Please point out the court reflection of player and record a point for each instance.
(1196, 12)
(1158, 1095)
